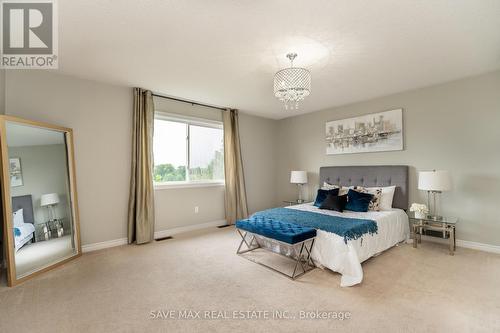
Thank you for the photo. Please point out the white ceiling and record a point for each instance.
(225, 52)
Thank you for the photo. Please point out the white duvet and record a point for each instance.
(332, 252)
(26, 233)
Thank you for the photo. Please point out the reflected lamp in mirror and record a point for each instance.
(434, 182)
(299, 178)
(50, 201)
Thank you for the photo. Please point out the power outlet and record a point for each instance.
(196, 209)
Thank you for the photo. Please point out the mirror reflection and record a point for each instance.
(42, 218)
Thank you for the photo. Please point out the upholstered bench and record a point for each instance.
(287, 234)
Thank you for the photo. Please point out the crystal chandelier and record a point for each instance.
(292, 85)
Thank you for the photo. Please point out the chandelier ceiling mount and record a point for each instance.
(292, 85)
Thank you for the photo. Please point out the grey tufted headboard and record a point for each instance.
(26, 203)
(369, 176)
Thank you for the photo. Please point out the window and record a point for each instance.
(187, 151)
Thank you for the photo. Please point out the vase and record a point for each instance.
(420, 215)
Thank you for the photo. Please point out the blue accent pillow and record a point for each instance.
(357, 201)
(322, 194)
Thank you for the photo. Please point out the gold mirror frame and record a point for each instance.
(12, 279)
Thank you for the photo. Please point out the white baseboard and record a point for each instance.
(179, 230)
(104, 245)
(464, 244)
(157, 234)
(479, 246)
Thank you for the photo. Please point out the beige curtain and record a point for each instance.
(236, 199)
(141, 218)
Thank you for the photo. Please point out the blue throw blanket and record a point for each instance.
(348, 228)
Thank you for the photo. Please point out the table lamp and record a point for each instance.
(299, 178)
(434, 182)
(50, 201)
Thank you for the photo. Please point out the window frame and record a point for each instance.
(195, 121)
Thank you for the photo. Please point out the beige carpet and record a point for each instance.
(404, 290)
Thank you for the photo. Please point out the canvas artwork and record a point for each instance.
(373, 132)
(16, 174)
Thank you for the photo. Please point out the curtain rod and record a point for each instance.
(190, 102)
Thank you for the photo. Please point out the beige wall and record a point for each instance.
(454, 126)
(175, 207)
(100, 115)
(258, 138)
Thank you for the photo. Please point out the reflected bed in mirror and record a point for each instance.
(39, 197)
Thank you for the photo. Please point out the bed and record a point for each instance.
(345, 257)
(24, 231)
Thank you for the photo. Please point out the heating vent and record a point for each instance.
(163, 238)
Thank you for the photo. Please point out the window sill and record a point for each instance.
(175, 185)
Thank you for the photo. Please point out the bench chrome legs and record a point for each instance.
(309, 265)
(250, 246)
(301, 257)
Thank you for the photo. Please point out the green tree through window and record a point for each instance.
(169, 173)
(170, 147)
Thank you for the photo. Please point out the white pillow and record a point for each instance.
(18, 218)
(387, 196)
(345, 189)
(327, 186)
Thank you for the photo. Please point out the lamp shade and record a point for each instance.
(298, 177)
(437, 180)
(49, 199)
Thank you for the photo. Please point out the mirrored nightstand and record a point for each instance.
(445, 225)
(48, 230)
(293, 202)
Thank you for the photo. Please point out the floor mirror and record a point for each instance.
(39, 198)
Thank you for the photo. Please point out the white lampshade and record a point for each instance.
(49, 199)
(437, 180)
(298, 177)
